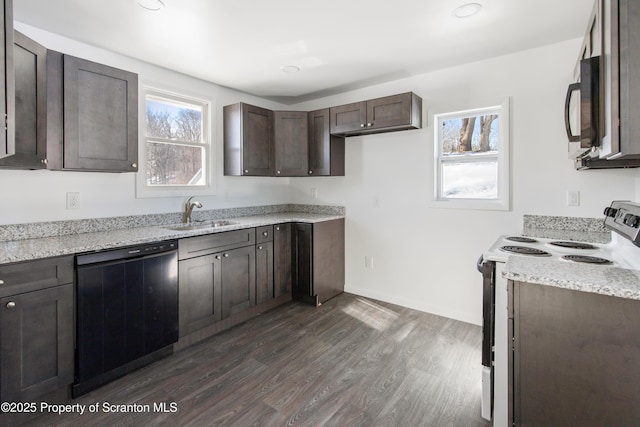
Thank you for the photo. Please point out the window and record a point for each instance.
(176, 150)
(471, 155)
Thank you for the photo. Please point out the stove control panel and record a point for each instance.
(624, 218)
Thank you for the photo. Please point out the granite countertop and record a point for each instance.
(68, 244)
(599, 279)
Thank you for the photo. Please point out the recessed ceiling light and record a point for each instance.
(290, 69)
(467, 10)
(152, 5)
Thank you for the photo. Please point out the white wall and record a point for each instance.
(424, 257)
(29, 196)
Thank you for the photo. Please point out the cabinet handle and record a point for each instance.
(265, 233)
(1, 282)
(44, 161)
(361, 125)
(11, 304)
(310, 172)
(369, 124)
(217, 256)
(278, 228)
(134, 165)
(260, 248)
(246, 171)
(226, 255)
(277, 172)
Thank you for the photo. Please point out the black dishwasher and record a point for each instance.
(127, 311)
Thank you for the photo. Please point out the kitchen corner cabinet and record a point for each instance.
(386, 114)
(248, 140)
(291, 141)
(7, 141)
(318, 260)
(326, 151)
(30, 64)
(36, 328)
(576, 357)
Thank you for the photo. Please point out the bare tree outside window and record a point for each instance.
(175, 145)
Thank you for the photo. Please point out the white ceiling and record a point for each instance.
(338, 44)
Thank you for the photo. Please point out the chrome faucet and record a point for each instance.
(188, 208)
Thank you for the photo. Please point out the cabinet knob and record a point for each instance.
(278, 228)
(265, 233)
(226, 255)
(134, 165)
(361, 125)
(369, 124)
(217, 256)
(11, 304)
(310, 172)
(1, 282)
(44, 161)
(260, 248)
(277, 172)
(246, 171)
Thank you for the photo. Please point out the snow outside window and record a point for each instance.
(176, 146)
(471, 155)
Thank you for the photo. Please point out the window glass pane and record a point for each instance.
(468, 135)
(173, 164)
(174, 121)
(470, 180)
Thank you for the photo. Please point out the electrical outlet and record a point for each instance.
(73, 200)
(573, 198)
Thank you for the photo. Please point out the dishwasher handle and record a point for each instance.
(479, 263)
(127, 252)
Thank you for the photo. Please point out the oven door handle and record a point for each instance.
(479, 263)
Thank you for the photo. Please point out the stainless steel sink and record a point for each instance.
(201, 225)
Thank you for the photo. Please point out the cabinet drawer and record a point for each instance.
(35, 275)
(211, 243)
(264, 234)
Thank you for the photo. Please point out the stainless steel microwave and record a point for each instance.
(582, 110)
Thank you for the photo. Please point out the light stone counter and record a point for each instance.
(68, 244)
(599, 279)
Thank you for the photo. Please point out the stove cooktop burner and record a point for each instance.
(587, 259)
(521, 239)
(524, 250)
(573, 245)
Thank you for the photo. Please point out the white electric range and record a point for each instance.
(622, 251)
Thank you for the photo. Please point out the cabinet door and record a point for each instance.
(302, 268)
(389, 111)
(291, 143)
(326, 151)
(238, 280)
(257, 141)
(264, 272)
(30, 63)
(199, 293)
(100, 117)
(36, 345)
(7, 140)
(282, 259)
(349, 117)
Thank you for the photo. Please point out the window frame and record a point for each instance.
(502, 201)
(143, 190)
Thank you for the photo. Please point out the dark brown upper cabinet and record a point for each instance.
(30, 64)
(291, 140)
(100, 107)
(248, 141)
(7, 140)
(326, 151)
(387, 114)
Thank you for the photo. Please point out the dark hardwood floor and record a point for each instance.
(351, 362)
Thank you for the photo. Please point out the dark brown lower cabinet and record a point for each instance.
(576, 358)
(318, 260)
(264, 272)
(36, 343)
(238, 280)
(282, 260)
